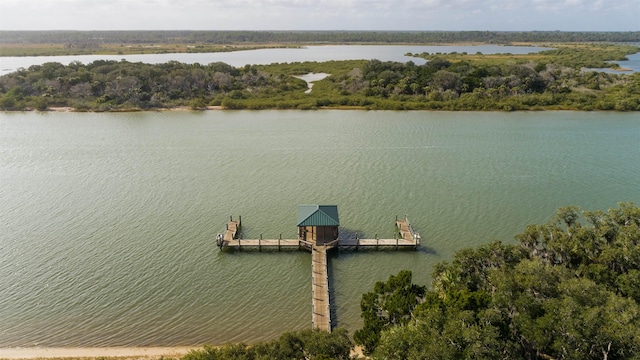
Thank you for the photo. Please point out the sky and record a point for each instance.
(419, 15)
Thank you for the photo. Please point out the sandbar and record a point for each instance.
(94, 352)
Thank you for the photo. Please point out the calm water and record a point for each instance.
(109, 220)
(269, 56)
(631, 65)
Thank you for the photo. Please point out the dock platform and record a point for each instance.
(405, 238)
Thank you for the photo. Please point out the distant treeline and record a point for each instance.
(236, 37)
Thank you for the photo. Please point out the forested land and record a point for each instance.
(35, 43)
(553, 79)
(303, 345)
(566, 291)
(257, 37)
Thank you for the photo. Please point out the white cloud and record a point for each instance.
(321, 14)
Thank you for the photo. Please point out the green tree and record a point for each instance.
(391, 303)
(303, 345)
(569, 291)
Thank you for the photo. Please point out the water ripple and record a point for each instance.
(109, 220)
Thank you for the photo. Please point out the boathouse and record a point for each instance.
(318, 223)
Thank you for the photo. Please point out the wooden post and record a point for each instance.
(259, 240)
(239, 245)
(396, 244)
(376, 241)
(230, 218)
(279, 239)
(357, 241)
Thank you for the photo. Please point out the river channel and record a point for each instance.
(109, 220)
(282, 55)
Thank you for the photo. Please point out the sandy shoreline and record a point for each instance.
(86, 352)
(148, 353)
(178, 108)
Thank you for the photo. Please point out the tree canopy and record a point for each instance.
(566, 291)
(551, 80)
(303, 345)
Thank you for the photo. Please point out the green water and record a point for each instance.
(109, 220)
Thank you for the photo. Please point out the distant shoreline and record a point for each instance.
(342, 107)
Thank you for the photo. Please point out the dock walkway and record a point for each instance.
(321, 318)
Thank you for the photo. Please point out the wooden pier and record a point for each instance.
(321, 318)
(406, 238)
(266, 244)
(231, 233)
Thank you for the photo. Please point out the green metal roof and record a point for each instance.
(318, 215)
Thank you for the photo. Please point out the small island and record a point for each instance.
(558, 79)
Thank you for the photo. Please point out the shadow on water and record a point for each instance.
(348, 234)
(335, 323)
(426, 250)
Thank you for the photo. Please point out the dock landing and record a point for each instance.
(405, 238)
(232, 238)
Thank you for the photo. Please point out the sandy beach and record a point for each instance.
(120, 352)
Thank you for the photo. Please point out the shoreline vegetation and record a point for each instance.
(557, 79)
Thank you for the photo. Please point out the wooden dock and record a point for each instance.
(266, 244)
(377, 244)
(321, 318)
(405, 238)
(406, 231)
(231, 233)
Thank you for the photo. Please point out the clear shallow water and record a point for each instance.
(109, 220)
(269, 56)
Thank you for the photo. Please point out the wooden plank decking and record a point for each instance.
(233, 227)
(321, 318)
(271, 244)
(404, 230)
(377, 243)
